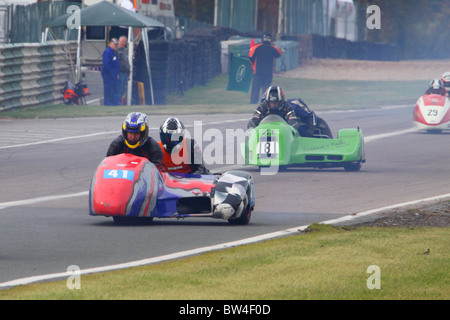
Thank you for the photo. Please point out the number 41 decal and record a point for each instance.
(118, 174)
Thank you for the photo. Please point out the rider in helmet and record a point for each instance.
(310, 124)
(135, 140)
(180, 154)
(274, 102)
(306, 118)
(446, 81)
(436, 87)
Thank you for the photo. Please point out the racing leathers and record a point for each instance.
(185, 157)
(441, 91)
(150, 150)
(305, 117)
(285, 111)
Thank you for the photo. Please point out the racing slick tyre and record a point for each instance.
(246, 213)
(273, 169)
(124, 221)
(322, 130)
(434, 131)
(352, 166)
(244, 218)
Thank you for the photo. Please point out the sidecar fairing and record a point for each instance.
(274, 143)
(432, 113)
(128, 187)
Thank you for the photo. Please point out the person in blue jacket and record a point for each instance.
(110, 72)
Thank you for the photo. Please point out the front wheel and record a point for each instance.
(244, 218)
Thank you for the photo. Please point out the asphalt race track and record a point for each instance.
(57, 157)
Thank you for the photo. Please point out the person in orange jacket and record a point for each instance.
(262, 57)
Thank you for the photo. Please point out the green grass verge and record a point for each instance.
(324, 263)
(214, 98)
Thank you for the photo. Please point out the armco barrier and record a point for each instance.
(33, 74)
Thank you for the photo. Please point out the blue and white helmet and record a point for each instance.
(135, 122)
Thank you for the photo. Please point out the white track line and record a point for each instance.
(388, 135)
(41, 199)
(57, 140)
(187, 253)
(97, 134)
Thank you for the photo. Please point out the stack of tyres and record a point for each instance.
(159, 62)
(174, 81)
(158, 67)
(195, 71)
(181, 64)
(186, 61)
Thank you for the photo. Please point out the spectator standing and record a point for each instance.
(110, 72)
(262, 56)
(124, 68)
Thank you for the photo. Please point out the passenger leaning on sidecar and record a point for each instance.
(436, 86)
(274, 103)
(446, 81)
(135, 140)
(310, 125)
(180, 154)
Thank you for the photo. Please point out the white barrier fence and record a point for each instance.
(33, 74)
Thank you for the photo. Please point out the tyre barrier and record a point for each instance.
(181, 64)
(32, 74)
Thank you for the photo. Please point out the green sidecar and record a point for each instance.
(276, 144)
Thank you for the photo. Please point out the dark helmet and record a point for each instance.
(171, 132)
(267, 37)
(274, 94)
(436, 86)
(135, 122)
(446, 80)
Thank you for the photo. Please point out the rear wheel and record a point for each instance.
(434, 131)
(123, 221)
(352, 166)
(322, 130)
